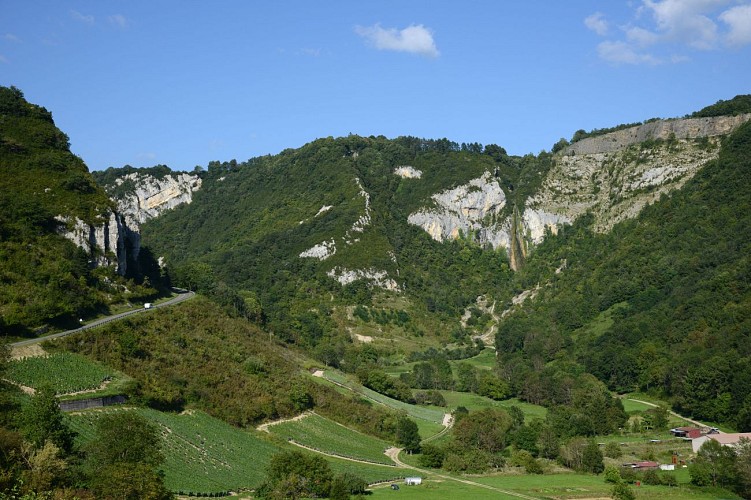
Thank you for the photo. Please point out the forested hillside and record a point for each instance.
(250, 222)
(45, 279)
(661, 303)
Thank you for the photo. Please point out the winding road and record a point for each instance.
(183, 296)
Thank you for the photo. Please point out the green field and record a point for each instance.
(474, 402)
(559, 486)
(327, 436)
(65, 372)
(414, 411)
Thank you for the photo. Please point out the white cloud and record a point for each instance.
(415, 39)
(624, 53)
(641, 37)
(739, 20)
(686, 21)
(672, 29)
(10, 37)
(86, 19)
(597, 23)
(118, 20)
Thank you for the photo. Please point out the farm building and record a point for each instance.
(723, 439)
(412, 481)
(686, 432)
(644, 465)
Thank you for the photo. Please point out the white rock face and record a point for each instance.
(614, 186)
(536, 221)
(153, 196)
(108, 243)
(472, 207)
(375, 277)
(407, 172)
(322, 251)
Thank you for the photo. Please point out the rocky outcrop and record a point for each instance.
(407, 172)
(375, 277)
(145, 196)
(613, 186)
(473, 208)
(112, 242)
(687, 128)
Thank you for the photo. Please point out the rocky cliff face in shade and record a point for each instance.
(113, 242)
(145, 196)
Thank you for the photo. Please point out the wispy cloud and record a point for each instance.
(3, 59)
(414, 39)
(118, 20)
(82, 18)
(667, 30)
(311, 52)
(624, 53)
(10, 37)
(597, 23)
(738, 20)
(146, 156)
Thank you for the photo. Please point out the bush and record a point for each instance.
(612, 474)
(613, 450)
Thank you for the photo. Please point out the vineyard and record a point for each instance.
(65, 372)
(330, 437)
(205, 456)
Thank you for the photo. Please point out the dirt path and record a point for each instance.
(695, 422)
(448, 423)
(265, 427)
(341, 457)
(393, 454)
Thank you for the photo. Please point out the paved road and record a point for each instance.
(180, 298)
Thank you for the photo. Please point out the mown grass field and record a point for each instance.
(65, 372)
(558, 486)
(325, 435)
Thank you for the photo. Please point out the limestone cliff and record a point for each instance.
(613, 176)
(471, 209)
(143, 197)
(114, 241)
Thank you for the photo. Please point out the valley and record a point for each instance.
(360, 310)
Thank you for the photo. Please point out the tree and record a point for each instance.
(293, 474)
(42, 420)
(124, 456)
(125, 437)
(432, 456)
(592, 458)
(715, 464)
(407, 434)
(622, 491)
(487, 430)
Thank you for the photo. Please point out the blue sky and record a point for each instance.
(182, 83)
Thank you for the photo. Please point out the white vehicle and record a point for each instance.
(147, 305)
